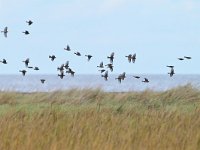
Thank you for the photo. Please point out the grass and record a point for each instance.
(92, 119)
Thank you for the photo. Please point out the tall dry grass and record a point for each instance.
(92, 119)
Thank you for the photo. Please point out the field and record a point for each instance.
(90, 119)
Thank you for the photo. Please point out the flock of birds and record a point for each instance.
(103, 69)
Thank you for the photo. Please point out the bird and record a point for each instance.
(101, 65)
(89, 57)
(61, 68)
(137, 77)
(23, 72)
(70, 71)
(145, 80)
(36, 68)
(170, 66)
(52, 57)
(42, 81)
(171, 73)
(27, 61)
(5, 31)
(26, 32)
(134, 58)
(111, 57)
(119, 78)
(67, 48)
(77, 53)
(30, 67)
(123, 75)
(129, 57)
(180, 58)
(102, 70)
(110, 66)
(66, 65)
(187, 57)
(29, 22)
(61, 75)
(4, 61)
(105, 76)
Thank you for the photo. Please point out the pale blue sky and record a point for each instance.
(159, 31)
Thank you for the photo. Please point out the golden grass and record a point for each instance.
(94, 120)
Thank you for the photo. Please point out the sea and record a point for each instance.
(31, 83)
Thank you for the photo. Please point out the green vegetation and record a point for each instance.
(93, 119)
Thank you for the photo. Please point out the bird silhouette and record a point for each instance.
(77, 53)
(29, 22)
(171, 73)
(129, 58)
(101, 65)
(89, 57)
(61, 68)
(61, 75)
(170, 66)
(42, 81)
(110, 66)
(36, 68)
(102, 70)
(70, 71)
(5, 31)
(105, 76)
(137, 77)
(180, 58)
(27, 61)
(111, 57)
(52, 57)
(4, 61)
(145, 80)
(66, 65)
(67, 48)
(187, 57)
(30, 67)
(23, 72)
(119, 78)
(134, 58)
(26, 32)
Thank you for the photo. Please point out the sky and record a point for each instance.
(158, 31)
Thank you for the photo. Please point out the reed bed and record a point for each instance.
(89, 119)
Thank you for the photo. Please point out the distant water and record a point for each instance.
(31, 83)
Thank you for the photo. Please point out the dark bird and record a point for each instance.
(137, 77)
(4, 61)
(26, 32)
(61, 68)
(89, 57)
(30, 67)
(66, 65)
(180, 58)
(23, 72)
(77, 53)
(105, 76)
(170, 66)
(101, 65)
(119, 78)
(123, 75)
(70, 71)
(61, 75)
(129, 57)
(187, 57)
(145, 80)
(102, 70)
(111, 57)
(171, 73)
(134, 58)
(110, 66)
(67, 48)
(52, 57)
(36, 68)
(27, 61)
(5, 31)
(29, 22)
(42, 81)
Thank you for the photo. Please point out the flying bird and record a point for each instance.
(29, 22)
(187, 57)
(77, 53)
(66, 65)
(134, 58)
(89, 57)
(67, 48)
(42, 81)
(170, 66)
(52, 57)
(171, 73)
(101, 65)
(70, 71)
(61, 68)
(110, 66)
(61, 75)
(121, 77)
(111, 57)
(137, 77)
(27, 61)
(102, 70)
(5, 31)
(30, 67)
(145, 80)
(105, 76)
(129, 58)
(36, 68)
(4, 61)
(26, 32)
(180, 58)
(23, 72)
